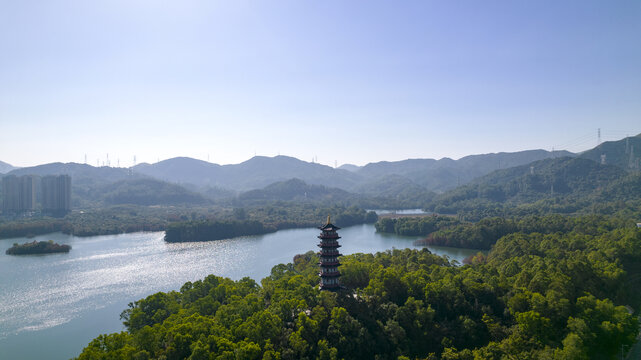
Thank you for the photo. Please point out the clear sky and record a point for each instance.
(345, 81)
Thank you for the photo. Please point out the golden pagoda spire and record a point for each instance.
(328, 222)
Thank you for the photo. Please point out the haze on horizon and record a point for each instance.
(352, 82)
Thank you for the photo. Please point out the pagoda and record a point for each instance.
(329, 254)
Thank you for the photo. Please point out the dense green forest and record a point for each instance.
(448, 231)
(110, 220)
(415, 226)
(556, 295)
(131, 218)
(245, 223)
(564, 185)
(40, 247)
(213, 230)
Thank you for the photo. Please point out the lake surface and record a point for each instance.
(52, 305)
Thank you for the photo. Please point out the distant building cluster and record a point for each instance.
(21, 193)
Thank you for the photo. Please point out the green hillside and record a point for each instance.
(392, 192)
(564, 185)
(623, 153)
(295, 189)
(148, 192)
(405, 192)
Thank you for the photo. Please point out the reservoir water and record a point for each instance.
(52, 305)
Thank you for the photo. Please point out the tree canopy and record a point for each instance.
(554, 295)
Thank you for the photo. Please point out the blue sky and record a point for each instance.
(344, 81)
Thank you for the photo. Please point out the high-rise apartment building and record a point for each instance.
(56, 193)
(19, 193)
(10, 194)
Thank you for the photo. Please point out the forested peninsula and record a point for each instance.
(449, 231)
(556, 295)
(213, 230)
(206, 230)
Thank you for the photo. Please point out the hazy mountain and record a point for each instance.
(254, 173)
(350, 167)
(403, 167)
(148, 192)
(391, 186)
(182, 170)
(260, 171)
(5, 167)
(444, 174)
(623, 153)
(396, 190)
(504, 160)
(408, 182)
(295, 189)
(212, 192)
(82, 175)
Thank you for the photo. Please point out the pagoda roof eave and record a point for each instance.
(329, 275)
(329, 227)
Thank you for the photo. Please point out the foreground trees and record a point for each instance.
(534, 296)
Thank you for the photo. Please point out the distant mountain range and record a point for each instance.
(254, 173)
(584, 183)
(409, 182)
(260, 171)
(444, 174)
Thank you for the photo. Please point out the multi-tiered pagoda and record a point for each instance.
(329, 254)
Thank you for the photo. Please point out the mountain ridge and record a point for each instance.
(384, 179)
(623, 153)
(6, 167)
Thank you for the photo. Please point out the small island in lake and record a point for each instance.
(35, 247)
